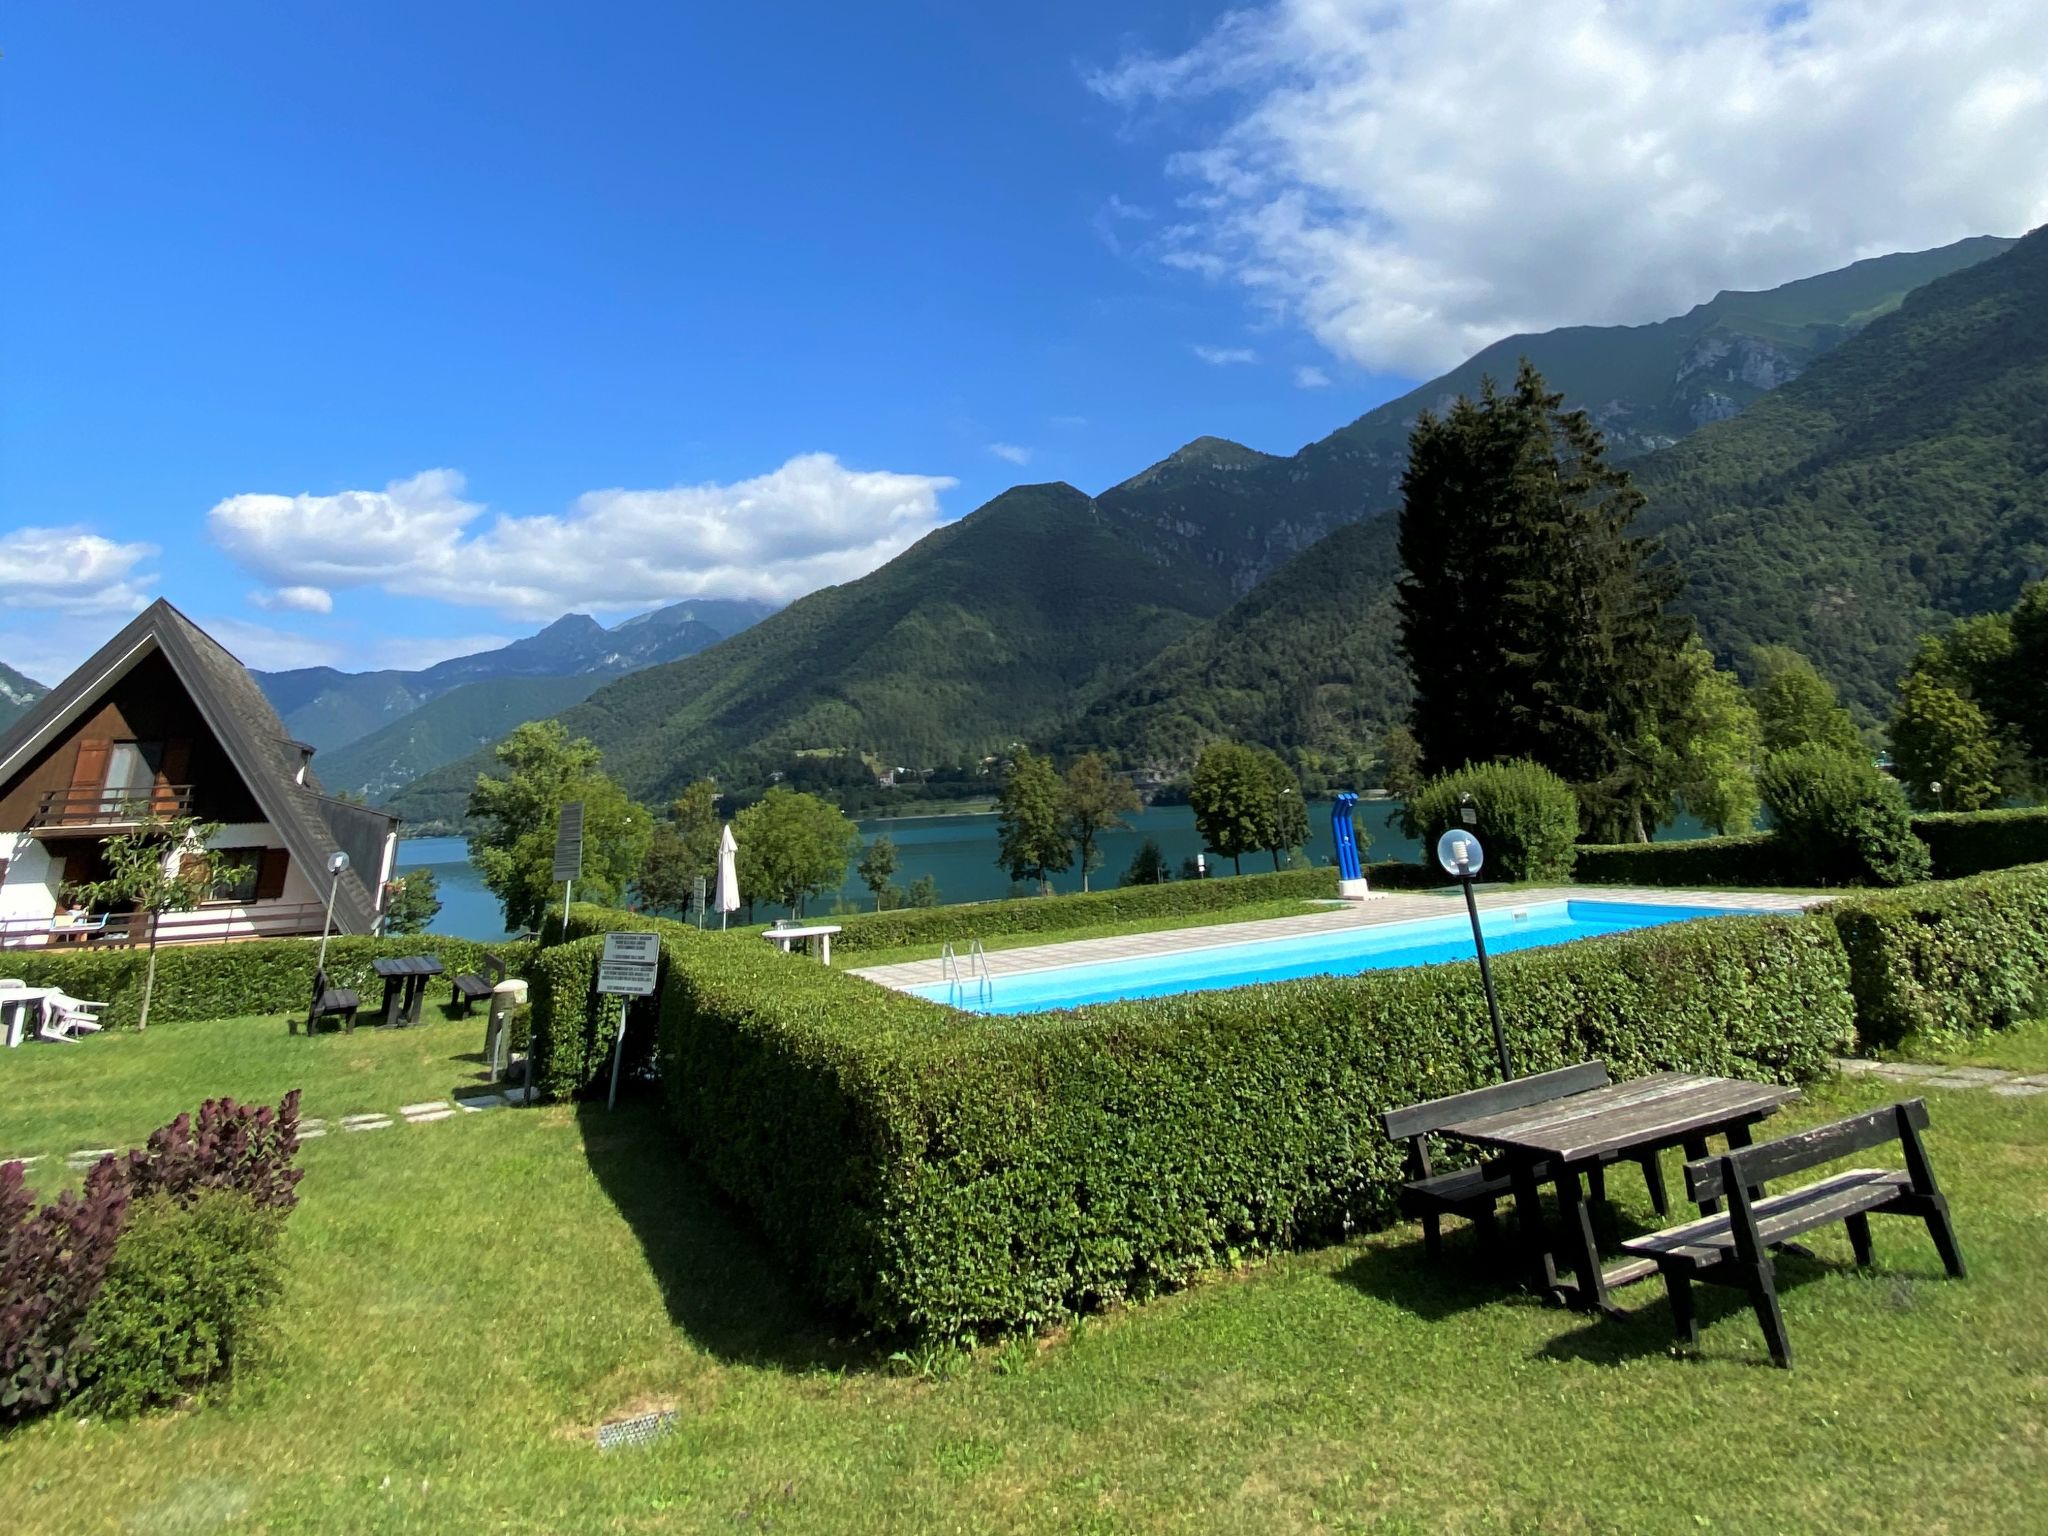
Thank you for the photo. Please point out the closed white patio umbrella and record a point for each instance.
(725, 896)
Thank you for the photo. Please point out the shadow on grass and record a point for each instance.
(1645, 1329)
(722, 1284)
(1466, 1278)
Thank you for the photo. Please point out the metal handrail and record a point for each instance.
(87, 807)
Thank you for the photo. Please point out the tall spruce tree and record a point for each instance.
(1535, 624)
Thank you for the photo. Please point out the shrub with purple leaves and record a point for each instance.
(53, 1260)
(241, 1147)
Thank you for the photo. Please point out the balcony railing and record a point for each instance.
(204, 925)
(66, 809)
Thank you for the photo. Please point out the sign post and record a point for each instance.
(626, 970)
(568, 855)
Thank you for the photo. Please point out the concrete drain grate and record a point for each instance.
(641, 1429)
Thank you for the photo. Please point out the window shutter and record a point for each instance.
(270, 879)
(176, 764)
(91, 769)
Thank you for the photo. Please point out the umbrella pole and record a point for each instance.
(1500, 1038)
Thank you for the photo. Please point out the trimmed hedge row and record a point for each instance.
(586, 918)
(1971, 842)
(1755, 858)
(216, 981)
(1052, 914)
(1946, 961)
(572, 1027)
(934, 1174)
(1959, 842)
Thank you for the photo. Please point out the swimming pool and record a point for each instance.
(1346, 952)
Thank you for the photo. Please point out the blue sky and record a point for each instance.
(797, 281)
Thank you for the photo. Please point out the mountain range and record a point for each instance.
(1228, 591)
(17, 692)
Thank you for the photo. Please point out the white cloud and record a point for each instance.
(73, 571)
(276, 650)
(412, 653)
(294, 600)
(811, 523)
(1308, 376)
(1224, 357)
(1412, 181)
(1011, 452)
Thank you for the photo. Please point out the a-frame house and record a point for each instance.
(162, 720)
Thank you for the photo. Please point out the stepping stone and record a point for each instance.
(2018, 1090)
(481, 1102)
(410, 1110)
(1904, 1071)
(85, 1157)
(1969, 1077)
(365, 1122)
(443, 1113)
(314, 1134)
(24, 1161)
(1856, 1065)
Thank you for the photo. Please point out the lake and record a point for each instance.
(958, 852)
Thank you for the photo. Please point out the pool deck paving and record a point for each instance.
(1376, 910)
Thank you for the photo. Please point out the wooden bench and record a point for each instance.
(329, 1002)
(1733, 1248)
(1473, 1192)
(470, 988)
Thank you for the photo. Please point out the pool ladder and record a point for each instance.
(959, 974)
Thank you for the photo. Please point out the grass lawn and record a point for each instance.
(467, 1300)
(117, 1087)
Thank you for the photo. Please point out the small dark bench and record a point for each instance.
(1733, 1248)
(1473, 1192)
(470, 988)
(330, 1002)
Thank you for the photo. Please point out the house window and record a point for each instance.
(235, 873)
(131, 771)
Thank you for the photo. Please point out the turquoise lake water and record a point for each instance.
(1426, 941)
(958, 852)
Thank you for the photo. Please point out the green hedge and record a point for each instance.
(586, 918)
(1525, 817)
(1970, 842)
(1053, 914)
(572, 1026)
(1755, 858)
(1944, 961)
(218, 981)
(933, 1174)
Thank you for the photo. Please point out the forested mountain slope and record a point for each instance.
(988, 631)
(1903, 480)
(17, 692)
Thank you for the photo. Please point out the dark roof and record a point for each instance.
(311, 823)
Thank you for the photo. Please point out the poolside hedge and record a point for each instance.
(932, 1173)
(573, 1027)
(215, 981)
(1971, 842)
(1755, 858)
(1947, 960)
(1054, 914)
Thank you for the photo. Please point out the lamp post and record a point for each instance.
(337, 861)
(1462, 857)
(1936, 787)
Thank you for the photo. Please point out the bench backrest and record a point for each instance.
(1414, 1120)
(1713, 1177)
(493, 968)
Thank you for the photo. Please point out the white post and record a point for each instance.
(327, 923)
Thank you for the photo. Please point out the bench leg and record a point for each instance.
(1944, 1236)
(1433, 1235)
(1489, 1230)
(1541, 1269)
(1695, 1149)
(1578, 1236)
(1763, 1295)
(1678, 1287)
(1653, 1180)
(1596, 1184)
(1859, 1236)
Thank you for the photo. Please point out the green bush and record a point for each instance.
(572, 1026)
(1751, 858)
(933, 1173)
(1400, 875)
(1970, 842)
(1945, 961)
(1528, 818)
(1054, 914)
(180, 1298)
(586, 918)
(217, 981)
(1842, 820)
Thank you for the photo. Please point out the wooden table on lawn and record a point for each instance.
(1559, 1140)
(405, 985)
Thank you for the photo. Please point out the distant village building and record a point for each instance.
(162, 721)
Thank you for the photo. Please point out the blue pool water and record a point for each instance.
(1426, 941)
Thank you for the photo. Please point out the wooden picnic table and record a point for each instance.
(1560, 1139)
(405, 986)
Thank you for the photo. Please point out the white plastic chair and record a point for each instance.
(67, 1018)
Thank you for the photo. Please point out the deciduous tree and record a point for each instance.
(792, 846)
(682, 849)
(1231, 794)
(1093, 801)
(877, 867)
(1031, 835)
(158, 867)
(1797, 707)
